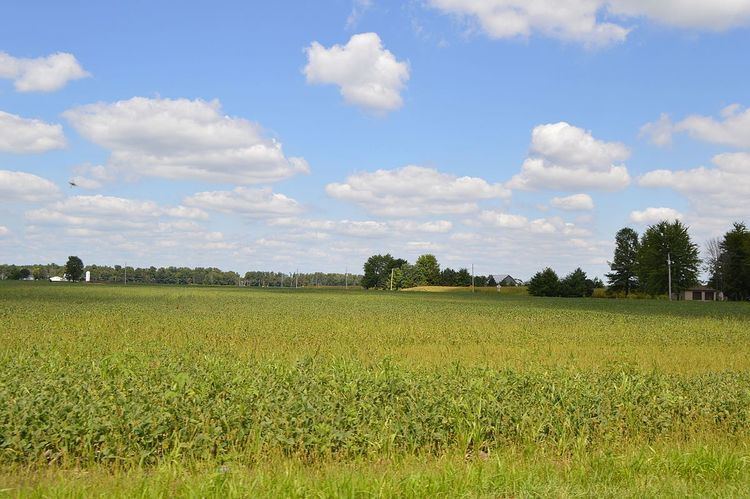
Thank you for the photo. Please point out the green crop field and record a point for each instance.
(163, 391)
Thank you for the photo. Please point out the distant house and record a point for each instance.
(57, 278)
(702, 294)
(507, 280)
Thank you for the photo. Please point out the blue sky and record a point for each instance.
(284, 135)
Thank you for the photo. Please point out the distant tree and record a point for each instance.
(576, 285)
(24, 274)
(448, 277)
(37, 272)
(480, 281)
(463, 277)
(428, 270)
(712, 263)
(735, 268)
(405, 277)
(597, 283)
(491, 281)
(544, 283)
(658, 241)
(623, 265)
(378, 271)
(74, 268)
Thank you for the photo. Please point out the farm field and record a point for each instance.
(161, 390)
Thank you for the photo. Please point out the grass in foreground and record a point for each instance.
(205, 391)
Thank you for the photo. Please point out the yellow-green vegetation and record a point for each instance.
(234, 391)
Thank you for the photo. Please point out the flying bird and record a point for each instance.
(72, 184)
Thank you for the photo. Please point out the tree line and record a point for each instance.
(74, 270)
(386, 272)
(643, 264)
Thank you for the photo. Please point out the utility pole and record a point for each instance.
(296, 279)
(126, 273)
(472, 277)
(669, 269)
(392, 279)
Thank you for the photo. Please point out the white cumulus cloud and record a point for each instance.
(576, 202)
(654, 215)
(723, 189)
(254, 203)
(4, 231)
(415, 190)
(714, 15)
(368, 75)
(583, 21)
(41, 74)
(570, 20)
(25, 187)
(24, 135)
(565, 157)
(183, 139)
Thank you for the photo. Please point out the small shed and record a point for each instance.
(702, 293)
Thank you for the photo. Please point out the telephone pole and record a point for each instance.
(669, 270)
(392, 279)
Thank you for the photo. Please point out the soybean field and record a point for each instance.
(218, 391)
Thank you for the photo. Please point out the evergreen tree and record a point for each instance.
(491, 281)
(623, 265)
(576, 285)
(545, 283)
(659, 241)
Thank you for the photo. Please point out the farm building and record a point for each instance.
(702, 294)
(507, 280)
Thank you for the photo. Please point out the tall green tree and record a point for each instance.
(623, 265)
(378, 271)
(544, 283)
(74, 269)
(428, 270)
(659, 241)
(491, 281)
(735, 262)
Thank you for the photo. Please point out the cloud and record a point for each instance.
(367, 228)
(22, 135)
(368, 75)
(359, 7)
(115, 226)
(659, 132)
(565, 157)
(576, 202)
(502, 220)
(716, 15)
(581, 21)
(415, 191)
(4, 231)
(109, 212)
(25, 187)
(568, 20)
(254, 203)
(183, 139)
(654, 215)
(732, 130)
(43, 74)
(723, 189)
